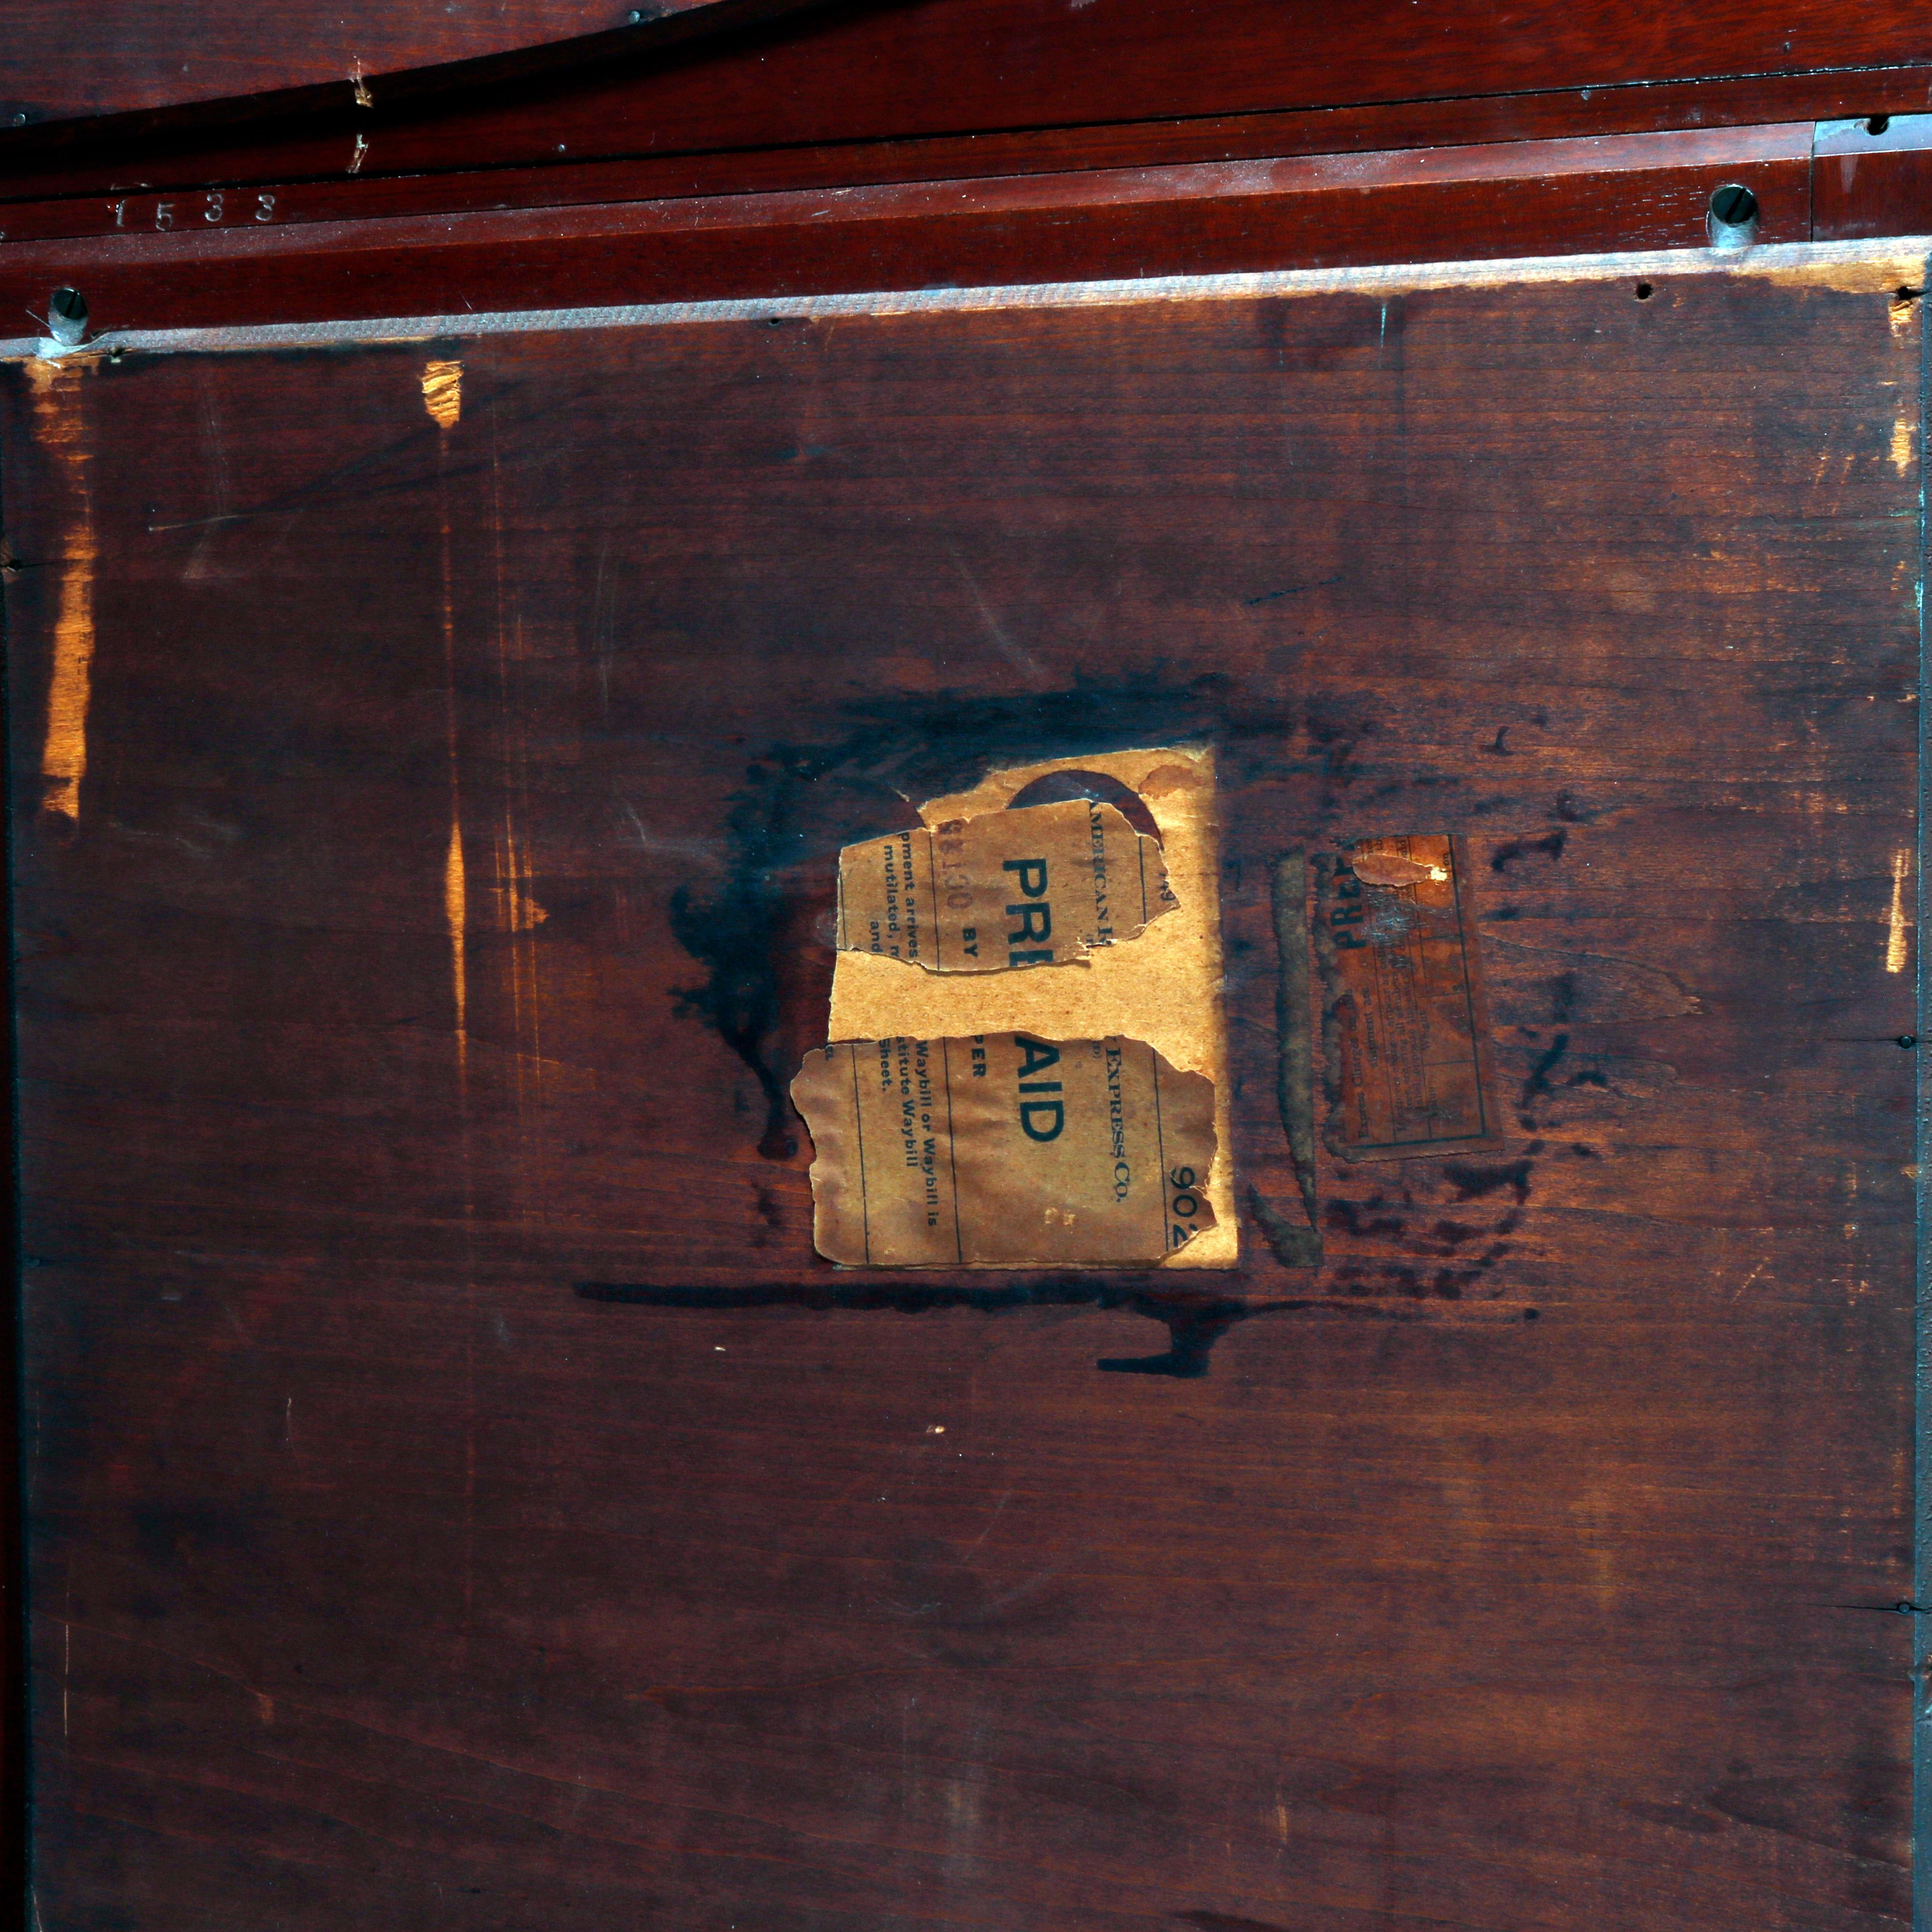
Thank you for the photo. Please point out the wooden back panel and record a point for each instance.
(460, 1495)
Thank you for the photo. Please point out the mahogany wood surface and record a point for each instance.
(137, 68)
(868, 71)
(423, 157)
(1872, 176)
(460, 1495)
(946, 88)
(228, 258)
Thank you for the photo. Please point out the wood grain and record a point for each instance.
(230, 260)
(860, 72)
(1873, 176)
(963, 87)
(143, 68)
(461, 1496)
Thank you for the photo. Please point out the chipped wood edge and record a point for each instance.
(1880, 267)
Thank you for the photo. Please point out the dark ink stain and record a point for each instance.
(1452, 1234)
(1346, 1216)
(1336, 736)
(1583, 1151)
(1473, 1184)
(1500, 748)
(736, 932)
(1590, 1076)
(771, 1216)
(1505, 913)
(1567, 809)
(1296, 1244)
(1194, 1322)
(1191, 1335)
(1537, 1085)
(1504, 857)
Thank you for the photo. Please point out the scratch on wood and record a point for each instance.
(57, 413)
(1896, 921)
(456, 909)
(442, 392)
(1901, 445)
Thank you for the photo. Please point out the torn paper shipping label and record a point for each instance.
(1035, 887)
(1003, 1149)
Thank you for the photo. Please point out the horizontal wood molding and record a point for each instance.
(1872, 176)
(130, 70)
(1644, 191)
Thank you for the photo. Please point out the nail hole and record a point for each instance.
(1878, 124)
(1644, 292)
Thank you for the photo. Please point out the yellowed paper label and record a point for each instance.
(1037, 886)
(1164, 989)
(1005, 1151)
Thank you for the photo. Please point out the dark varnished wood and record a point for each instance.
(938, 66)
(143, 208)
(505, 151)
(219, 264)
(1873, 176)
(542, 144)
(127, 70)
(461, 1497)
(951, 88)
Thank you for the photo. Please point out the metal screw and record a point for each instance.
(1733, 220)
(66, 316)
(1908, 1040)
(1734, 205)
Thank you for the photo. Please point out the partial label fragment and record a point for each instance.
(1002, 1150)
(1007, 889)
(1404, 1030)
